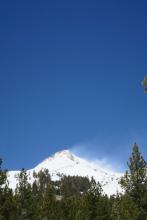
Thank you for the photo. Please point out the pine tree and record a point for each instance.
(92, 198)
(23, 197)
(44, 195)
(3, 176)
(7, 208)
(123, 208)
(135, 181)
(144, 84)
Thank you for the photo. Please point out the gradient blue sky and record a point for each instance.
(70, 75)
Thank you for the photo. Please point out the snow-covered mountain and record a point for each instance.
(64, 162)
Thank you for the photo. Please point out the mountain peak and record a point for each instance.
(66, 163)
(64, 153)
(58, 156)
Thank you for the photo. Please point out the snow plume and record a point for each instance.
(99, 153)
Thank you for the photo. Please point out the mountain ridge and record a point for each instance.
(66, 163)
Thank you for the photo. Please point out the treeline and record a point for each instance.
(75, 198)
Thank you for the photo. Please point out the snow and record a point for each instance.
(64, 162)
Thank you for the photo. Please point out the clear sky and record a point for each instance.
(70, 74)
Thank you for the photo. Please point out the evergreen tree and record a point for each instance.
(23, 197)
(92, 198)
(135, 181)
(75, 198)
(44, 195)
(144, 83)
(74, 185)
(123, 208)
(3, 176)
(6, 197)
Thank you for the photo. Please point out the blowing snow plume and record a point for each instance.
(66, 163)
(101, 154)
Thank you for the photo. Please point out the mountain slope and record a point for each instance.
(64, 162)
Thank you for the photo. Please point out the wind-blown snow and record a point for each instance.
(64, 162)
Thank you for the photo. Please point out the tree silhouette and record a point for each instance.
(144, 84)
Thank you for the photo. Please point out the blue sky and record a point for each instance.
(70, 76)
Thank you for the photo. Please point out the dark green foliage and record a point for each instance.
(3, 176)
(75, 198)
(73, 185)
(144, 84)
(123, 208)
(23, 197)
(135, 181)
(6, 197)
(97, 204)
